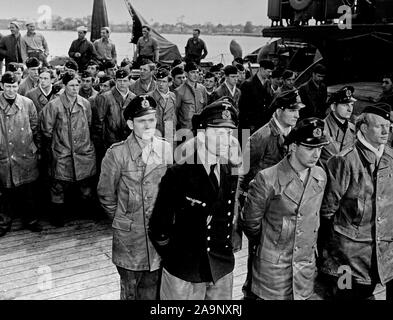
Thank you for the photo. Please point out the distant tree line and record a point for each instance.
(64, 24)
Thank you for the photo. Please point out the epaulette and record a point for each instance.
(346, 151)
(117, 144)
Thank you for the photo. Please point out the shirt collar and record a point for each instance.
(378, 152)
(232, 91)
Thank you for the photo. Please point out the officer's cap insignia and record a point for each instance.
(145, 103)
(317, 133)
(226, 115)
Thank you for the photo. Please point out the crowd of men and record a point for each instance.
(311, 189)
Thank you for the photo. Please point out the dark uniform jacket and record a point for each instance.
(112, 126)
(339, 139)
(127, 191)
(254, 104)
(222, 91)
(10, 48)
(191, 225)
(358, 200)
(315, 100)
(39, 99)
(87, 51)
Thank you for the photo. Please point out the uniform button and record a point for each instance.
(10, 143)
(229, 201)
(209, 227)
(379, 198)
(229, 224)
(208, 238)
(229, 214)
(228, 237)
(203, 204)
(22, 129)
(208, 249)
(379, 219)
(226, 246)
(9, 131)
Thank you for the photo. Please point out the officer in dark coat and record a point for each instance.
(192, 221)
(256, 98)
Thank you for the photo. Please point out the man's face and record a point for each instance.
(45, 80)
(318, 78)
(265, 73)
(146, 74)
(14, 30)
(163, 85)
(179, 79)
(343, 111)
(31, 27)
(105, 87)
(232, 79)
(290, 81)
(218, 141)
(144, 127)
(33, 73)
(10, 90)
(288, 117)
(123, 84)
(195, 34)
(307, 156)
(377, 130)
(111, 72)
(209, 83)
(81, 35)
(72, 88)
(145, 32)
(104, 34)
(193, 75)
(18, 74)
(387, 85)
(92, 70)
(87, 83)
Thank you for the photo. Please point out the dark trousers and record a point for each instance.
(17, 200)
(139, 285)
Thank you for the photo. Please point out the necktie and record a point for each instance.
(213, 177)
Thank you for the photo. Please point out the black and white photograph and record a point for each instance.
(220, 152)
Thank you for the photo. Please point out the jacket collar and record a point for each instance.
(275, 130)
(64, 100)
(286, 173)
(18, 101)
(292, 186)
(136, 149)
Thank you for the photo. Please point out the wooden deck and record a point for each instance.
(69, 263)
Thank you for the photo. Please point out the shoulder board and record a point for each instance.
(116, 144)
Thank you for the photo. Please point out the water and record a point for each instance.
(218, 46)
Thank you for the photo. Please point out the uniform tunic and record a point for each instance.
(282, 215)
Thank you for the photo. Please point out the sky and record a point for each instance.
(162, 11)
